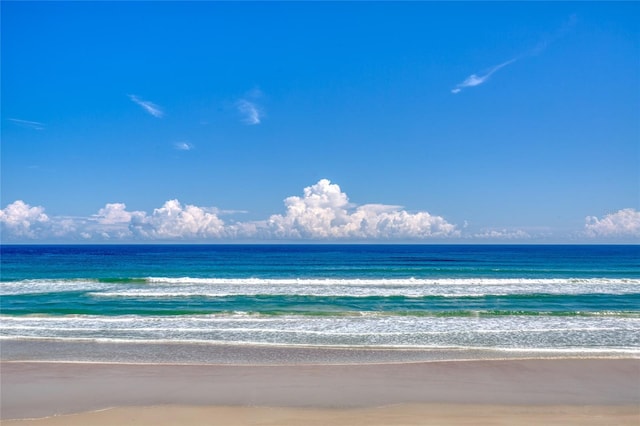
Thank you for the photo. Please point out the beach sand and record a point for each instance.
(404, 414)
(514, 391)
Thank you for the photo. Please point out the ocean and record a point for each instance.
(509, 298)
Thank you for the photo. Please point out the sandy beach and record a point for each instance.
(403, 415)
(514, 391)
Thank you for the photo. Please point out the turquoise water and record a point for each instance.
(550, 298)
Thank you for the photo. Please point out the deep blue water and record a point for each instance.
(307, 261)
(502, 297)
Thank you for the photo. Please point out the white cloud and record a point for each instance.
(111, 222)
(113, 214)
(26, 123)
(150, 107)
(503, 234)
(63, 227)
(324, 212)
(623, 223)
(248, 107)
(22, 220)
(183, 146)
(475, 80)
(250, 112)
(174, 221)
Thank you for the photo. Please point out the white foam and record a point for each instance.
(358, 287)
(40, 286)
(390, 281)
(507, 332)
(467, 287)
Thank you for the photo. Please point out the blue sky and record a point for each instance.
(359, 121)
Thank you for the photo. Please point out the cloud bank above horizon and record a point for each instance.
(322, 213)
(625, 222)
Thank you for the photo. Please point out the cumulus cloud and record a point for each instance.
(113, 214)
(148, 106)
(111, 222)
(172, 221)
(623, 223)
(175, 221)
(22, 220)
(324, 212)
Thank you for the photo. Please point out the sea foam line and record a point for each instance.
(604, 351)
(175, 287)
(390, 281)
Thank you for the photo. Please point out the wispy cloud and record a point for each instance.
(148, 106)
(548, 39)
(504, 234)
(248, 107)
(26, 123)
(183, 146)
(250, 112)
(476, 80)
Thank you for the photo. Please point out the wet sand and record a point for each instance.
(404, 414)
(514, 391)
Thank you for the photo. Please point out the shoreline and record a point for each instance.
(32, 390)
(198, 353)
